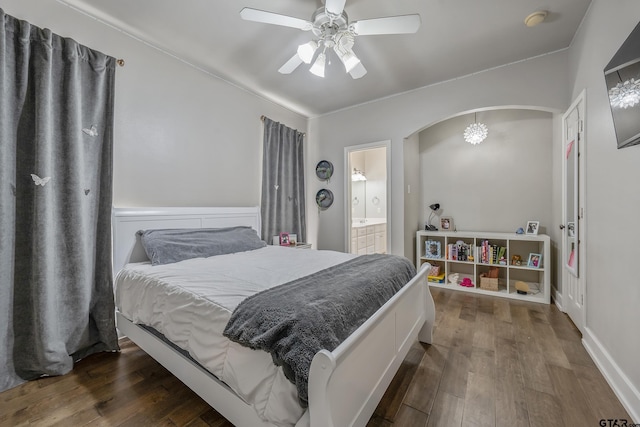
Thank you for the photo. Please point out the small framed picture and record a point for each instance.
(284, 239)
(293, 239)
(532, 227)
(535, 260)
(446, 223)
(433, 249)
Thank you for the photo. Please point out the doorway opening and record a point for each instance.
(367, 189)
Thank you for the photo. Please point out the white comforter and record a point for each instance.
(190, 302)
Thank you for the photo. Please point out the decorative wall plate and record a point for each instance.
(324, 170)
(324, 199)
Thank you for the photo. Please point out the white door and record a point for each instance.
(573, 224)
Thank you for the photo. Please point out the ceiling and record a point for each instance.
(456, 38)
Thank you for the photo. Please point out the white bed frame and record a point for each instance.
(345, 385)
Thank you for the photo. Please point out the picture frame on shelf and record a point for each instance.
(293, 239)
(446, 223)
(532, 227)
(433, 249)
(535, 260)
(284, 239)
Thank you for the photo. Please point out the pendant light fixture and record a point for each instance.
(476, 132)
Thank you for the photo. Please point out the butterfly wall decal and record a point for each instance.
(40, 181)
(92, 131)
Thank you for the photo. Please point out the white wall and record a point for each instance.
(412, 190)
(612, 205)
(497, 185)
(539, 82)
(182, 137)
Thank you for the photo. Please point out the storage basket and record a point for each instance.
(488, 283)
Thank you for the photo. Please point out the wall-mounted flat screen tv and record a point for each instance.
(622, 76)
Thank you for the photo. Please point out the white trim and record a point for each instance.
(557, 298)
(622, 386)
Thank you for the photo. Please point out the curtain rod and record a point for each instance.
(264, 117)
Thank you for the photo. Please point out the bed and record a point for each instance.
(342, 390)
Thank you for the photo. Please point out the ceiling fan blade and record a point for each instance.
(291, 65)
(358, 71)
(404, 24)
(249, 14)
(334, 7)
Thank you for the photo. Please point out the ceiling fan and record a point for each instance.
(332, 30)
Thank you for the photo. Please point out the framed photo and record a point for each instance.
(535, 260)
(433, 249)
(284, 239)
(446, 223)
(293, 239)
(532, 227)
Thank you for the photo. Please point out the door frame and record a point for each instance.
(577, 315)
(347, 188)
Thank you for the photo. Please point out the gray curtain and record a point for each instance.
(283, 200)
(56, 125)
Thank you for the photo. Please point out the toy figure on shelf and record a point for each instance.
(466, 282)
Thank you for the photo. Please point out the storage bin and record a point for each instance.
(488, 283)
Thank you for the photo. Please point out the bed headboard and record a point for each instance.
(127, 221)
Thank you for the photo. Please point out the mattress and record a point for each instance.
(191, 301)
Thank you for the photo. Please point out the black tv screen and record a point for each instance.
(622, 76)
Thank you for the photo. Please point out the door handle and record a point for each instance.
(561, 226)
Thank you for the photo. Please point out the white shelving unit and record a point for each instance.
(537, 278)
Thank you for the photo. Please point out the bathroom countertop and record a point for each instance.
(361, 222)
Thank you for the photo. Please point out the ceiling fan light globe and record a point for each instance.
(318, 67)
(306, 51)
(350, 61)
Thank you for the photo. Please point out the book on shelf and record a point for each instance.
(436, 279)
(487, 253)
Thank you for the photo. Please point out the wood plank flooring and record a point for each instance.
(493, 362)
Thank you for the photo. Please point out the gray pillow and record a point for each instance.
(176, 244)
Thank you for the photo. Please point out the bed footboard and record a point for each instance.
(345, 385)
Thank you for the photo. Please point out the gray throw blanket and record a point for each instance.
(295, 320)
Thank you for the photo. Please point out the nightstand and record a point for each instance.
(301, 245)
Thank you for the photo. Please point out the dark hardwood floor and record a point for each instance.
(494, 362)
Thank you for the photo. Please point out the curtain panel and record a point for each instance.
(56, 137)
(283, 195)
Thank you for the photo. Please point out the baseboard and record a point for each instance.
(557, 298)
(623, 388)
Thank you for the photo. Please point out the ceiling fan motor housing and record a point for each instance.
(326, 26)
